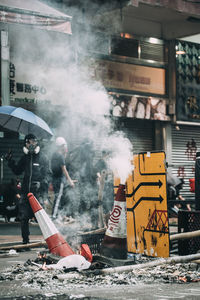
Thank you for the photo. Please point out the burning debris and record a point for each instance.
(55, 279)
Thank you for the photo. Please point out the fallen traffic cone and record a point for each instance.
(85, 251)
(114, 244)
(55, 242)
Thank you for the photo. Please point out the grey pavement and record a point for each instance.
(12, 289)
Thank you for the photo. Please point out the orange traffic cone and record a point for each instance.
(114, 244)
(85, 251)
(55, 242)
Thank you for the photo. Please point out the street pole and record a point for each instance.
(197, 181)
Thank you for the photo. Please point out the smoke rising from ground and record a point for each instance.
(85, 113)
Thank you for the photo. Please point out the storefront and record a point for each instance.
(185, 132)
(138, 100)
(25, 39)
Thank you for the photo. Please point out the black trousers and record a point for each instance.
(25, 214)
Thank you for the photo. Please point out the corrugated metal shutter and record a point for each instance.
(152, 51)
(140, 133)
(183, 157)
(16, 146)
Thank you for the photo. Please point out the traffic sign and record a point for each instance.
(146, 199)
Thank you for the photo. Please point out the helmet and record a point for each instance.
(29, 137)
(60, 141)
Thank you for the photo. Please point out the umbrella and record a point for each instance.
(23, 121)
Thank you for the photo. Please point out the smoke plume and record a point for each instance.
(53, 61)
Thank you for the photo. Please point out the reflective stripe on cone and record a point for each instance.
(55, 242)
(114, 244)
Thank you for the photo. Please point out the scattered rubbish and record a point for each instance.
(71, 261)
(156, 262)
(68, 276)
(148, 271)
(13, 252)
(77, 296)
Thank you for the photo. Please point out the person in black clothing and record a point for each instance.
(174, 187)
(11, 196)
(60, 176)
(34, 165)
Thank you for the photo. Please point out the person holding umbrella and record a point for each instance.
(34, 165)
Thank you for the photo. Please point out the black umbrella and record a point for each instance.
(23, 121)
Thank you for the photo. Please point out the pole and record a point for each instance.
(161, 261)
(197, 181)
(24, 246)
(1, 169)
(100, 198)
(185, 235)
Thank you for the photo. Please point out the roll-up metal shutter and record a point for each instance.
(139, 132)
(16, 146)
(185, 144)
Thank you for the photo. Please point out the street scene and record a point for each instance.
(99, 149)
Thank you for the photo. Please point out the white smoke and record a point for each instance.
(120, 161)
(85, 103)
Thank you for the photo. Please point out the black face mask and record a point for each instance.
(31, 148)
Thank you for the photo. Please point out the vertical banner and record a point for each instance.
(5, 56)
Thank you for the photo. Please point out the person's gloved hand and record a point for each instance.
(8, 155)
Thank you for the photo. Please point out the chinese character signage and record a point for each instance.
(25, 87)
(188, 82)
(139, 107)
(129, 77)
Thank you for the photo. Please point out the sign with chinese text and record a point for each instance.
(25, 85)
(129, 77)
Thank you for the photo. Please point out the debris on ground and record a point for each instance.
(71, 261)
(33, 278)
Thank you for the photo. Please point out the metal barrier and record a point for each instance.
(188, 221)
(93, 240)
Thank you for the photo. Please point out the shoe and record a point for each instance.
(25, 242)
(24, 249)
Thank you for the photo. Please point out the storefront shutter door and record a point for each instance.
(185, 143)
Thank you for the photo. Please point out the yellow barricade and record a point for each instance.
(146, 199)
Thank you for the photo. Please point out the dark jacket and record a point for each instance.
(35, 168)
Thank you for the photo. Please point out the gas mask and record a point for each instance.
(31, 146)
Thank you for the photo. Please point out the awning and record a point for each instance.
(34, 13)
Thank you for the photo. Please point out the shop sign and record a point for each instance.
(129, 77)
(25, 87)
(139, 107)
